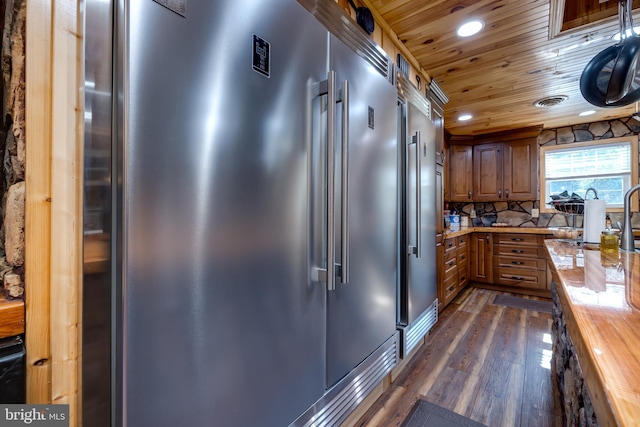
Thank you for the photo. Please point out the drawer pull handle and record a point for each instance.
(462, 279)
(450, 288)
(517, 278)
(450, 263)
(517, 262)
(517, 239)
(517, 251)
(462, 257)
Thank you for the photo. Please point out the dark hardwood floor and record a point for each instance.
(488, 362)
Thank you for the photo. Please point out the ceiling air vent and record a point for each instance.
(550, 101)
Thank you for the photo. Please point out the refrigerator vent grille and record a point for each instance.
(408, 92)
(331, 15)
(338, 403)
(414, 333)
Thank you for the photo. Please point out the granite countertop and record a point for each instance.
(600, 298)
(526, 230)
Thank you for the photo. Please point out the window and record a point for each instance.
(610, 166)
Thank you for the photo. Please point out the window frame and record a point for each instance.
(632, 139)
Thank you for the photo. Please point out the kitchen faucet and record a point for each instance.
(627, 241)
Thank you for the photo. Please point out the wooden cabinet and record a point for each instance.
(505, 170)
(520, 169)
(461, 173)
(481, 257)
(519, 261)
(439, 203)
(454, 263)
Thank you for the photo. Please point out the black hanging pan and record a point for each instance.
(608, 79)
(364, 18)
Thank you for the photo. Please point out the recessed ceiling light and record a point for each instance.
(470, 28)
(587, 113)
(465, 117)
(616, 36)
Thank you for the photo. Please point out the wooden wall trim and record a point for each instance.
(37, 200)
(66, 206)
(54, 202)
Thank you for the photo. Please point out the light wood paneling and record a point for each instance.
(484, 361)
(498, 74)
(38, 201)
(66, 207)
(53, 202)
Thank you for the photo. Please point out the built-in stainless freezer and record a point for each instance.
(418, 305)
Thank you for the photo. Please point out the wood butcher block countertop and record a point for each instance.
(524, 230)
(600, 298)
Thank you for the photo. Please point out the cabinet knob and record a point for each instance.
(469, 194)
(499, 193)
(506, 193)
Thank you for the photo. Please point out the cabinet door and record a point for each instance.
(482, 257)
(487, 172)
(460, 173)
(520, 164)
(438, 121)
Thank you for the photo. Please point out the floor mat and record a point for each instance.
(426, 414)
(524, 303)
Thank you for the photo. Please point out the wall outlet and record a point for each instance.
(535, 213)
(472, 214)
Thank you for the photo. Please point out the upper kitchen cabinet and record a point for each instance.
(520, 169)
(460, 173)
(487, 172)
(505, 171)
(494, 167)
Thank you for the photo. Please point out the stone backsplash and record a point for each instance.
(518, 214)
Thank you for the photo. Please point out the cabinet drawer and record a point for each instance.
(521, 277)
(462, 257)
(450, 269)
(448, 256)
(450, 287)
(517, 239)
(463, 277)
(519, 262)
(449, 245)
(519, 251)
(463, 242)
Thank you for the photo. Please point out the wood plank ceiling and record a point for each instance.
(520, 56)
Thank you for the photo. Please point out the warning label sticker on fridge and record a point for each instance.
(261, 56)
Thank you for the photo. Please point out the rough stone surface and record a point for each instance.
(619, 129)
(566, 373)
(513, 217)
(557, 221)
(499, 207)
(13, 62)
(583, 135)
(13, 285)
(14, 225)
(634, 125)
(599, 128)
(565, 136)
(546, 136)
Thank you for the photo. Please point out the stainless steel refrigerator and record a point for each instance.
(251, 214)
(418, 304)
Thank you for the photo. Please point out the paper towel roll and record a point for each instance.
(594, 220)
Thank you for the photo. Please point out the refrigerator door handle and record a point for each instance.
(328, 87)
(331, 224)
(345, 183)
(418, 195)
